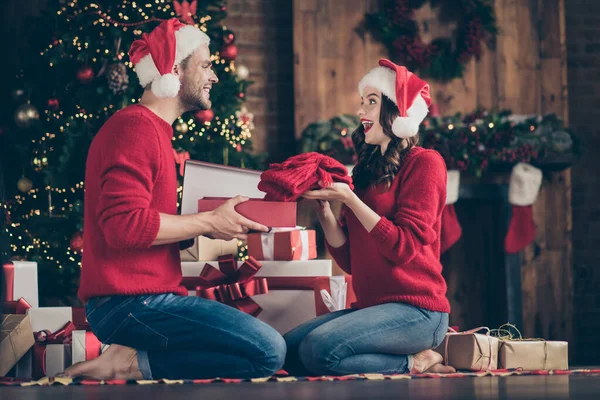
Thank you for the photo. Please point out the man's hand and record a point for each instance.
(226, 223)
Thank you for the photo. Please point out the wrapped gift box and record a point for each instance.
(283, 245)
(290, 300)
(205, 249)
(21, 281)
(470, 350)
(58, 358)
(333, 293)
(273, 214)
(86, 346)
(16, 338)
(532, 354)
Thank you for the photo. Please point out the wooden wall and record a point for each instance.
(526, 73)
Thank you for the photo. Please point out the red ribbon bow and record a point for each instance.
(43, 338)
(16, 307)
(230, 286)
(180, 158)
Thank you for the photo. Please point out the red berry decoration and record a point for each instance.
(53, 104)
(85, 74)
(204, 116)
(77, 242)
(241, 95)
(229, 52)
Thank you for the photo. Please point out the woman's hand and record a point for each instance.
(324, 211)
(335, 191)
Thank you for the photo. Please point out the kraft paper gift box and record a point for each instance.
(21, 281)
(16, 338)
(470, 350)
(290, 300)
(206, 249)
(273, 214)
(533, 354)
(333, 293)
(283, 244)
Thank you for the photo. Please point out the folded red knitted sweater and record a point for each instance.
(289, 180)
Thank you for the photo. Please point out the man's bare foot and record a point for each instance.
(117, 362)
(429, 361)
(440, 369)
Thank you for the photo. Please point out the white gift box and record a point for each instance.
(58, 358)
(21, 280)
(49, 318)
(290, 300)
(81, 341)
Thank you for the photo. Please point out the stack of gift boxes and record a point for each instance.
(282, 283)
(36, 342)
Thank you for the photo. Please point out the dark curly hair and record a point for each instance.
(372, 167)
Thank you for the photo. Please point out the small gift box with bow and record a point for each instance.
(20, 281)
(290, 299)
(16, 338)
(86, 346)
(333, 293)
(530, 354)
(54, 328)
(283, 244)
(470, 350)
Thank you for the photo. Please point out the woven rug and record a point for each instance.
(283, 378)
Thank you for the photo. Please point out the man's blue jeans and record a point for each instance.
(379, 339)
(178, 337)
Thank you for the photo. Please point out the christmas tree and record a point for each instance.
(76, 76)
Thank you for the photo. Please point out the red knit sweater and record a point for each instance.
(399, 260)
(130, 178)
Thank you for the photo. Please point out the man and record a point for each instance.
(131, 274)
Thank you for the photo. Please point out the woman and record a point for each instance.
(388, 239)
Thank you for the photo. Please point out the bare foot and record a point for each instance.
(426, 360)
(440, 369)
(117, 362)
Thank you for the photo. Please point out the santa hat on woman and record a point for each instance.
(155, 54)
(409, 92)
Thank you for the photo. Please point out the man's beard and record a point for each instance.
(192, 100)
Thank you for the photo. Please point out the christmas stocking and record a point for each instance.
(525, 183)
(451, 229)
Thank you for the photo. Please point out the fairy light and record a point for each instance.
(491, 125)
(473, 129)
(450, 126)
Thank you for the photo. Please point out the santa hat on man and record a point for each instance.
(409, 92)
(155, 54)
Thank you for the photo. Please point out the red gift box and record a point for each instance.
(288, 245)
(273, 214)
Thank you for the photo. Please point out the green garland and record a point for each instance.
(444, 59)
(475, 143)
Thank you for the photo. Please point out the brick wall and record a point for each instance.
(264, 37)
(583, 56)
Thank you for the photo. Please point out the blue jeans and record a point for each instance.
(178, 337)
(379, 339)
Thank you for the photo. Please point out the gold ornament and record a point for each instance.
(243, 72)
(24, 185)
(181, 127)
(25, 115)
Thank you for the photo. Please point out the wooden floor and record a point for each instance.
(515, 387)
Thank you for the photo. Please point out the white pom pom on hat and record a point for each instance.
(155, 54)
(409, 92)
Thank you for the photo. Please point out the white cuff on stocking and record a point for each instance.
(452, 186)
(525, 183)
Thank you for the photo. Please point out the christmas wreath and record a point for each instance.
(443, 59)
